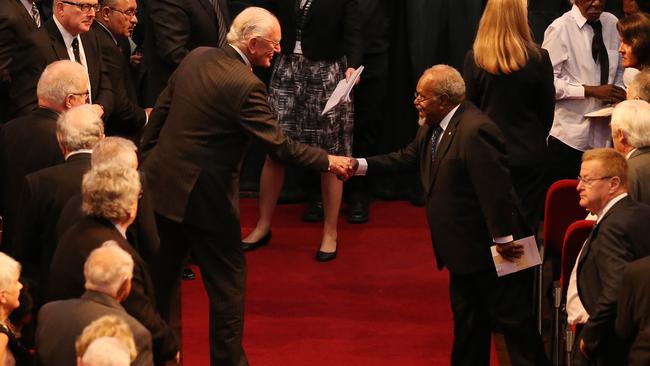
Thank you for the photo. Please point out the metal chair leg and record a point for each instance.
(557, 303)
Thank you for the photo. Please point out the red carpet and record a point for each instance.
(381, 302)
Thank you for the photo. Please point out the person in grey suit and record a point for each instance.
(631, 136)
(202, 125)
(108, 273)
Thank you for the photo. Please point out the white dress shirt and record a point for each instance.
(67, 39)
(568, 42)
(576, 312)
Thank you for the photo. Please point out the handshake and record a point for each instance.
(343, 167)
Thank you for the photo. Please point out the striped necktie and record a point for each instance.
(36, 15)
(435, 138)
(221, 19)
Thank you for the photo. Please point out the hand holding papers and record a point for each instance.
(529, 258)
(342, 92)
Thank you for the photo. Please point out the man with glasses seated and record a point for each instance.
(113, 26)
(65, 37)
(620, 236)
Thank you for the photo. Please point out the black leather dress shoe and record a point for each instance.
(188, 274)
(325, 256)
(358, 212)
(314, 212)
(260, 243)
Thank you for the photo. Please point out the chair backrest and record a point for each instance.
(560, 210)
(576, 234)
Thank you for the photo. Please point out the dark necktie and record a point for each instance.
(435, 138)
(221, 20)
(36, 15)
(75, 49)
(599, 51)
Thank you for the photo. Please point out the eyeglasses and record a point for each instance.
(420, 98)
(128, 12)
(590, 181)
(84, 7)
(275, 44)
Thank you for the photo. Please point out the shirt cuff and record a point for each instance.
(503, 239)
(575, 91)
(363, 167)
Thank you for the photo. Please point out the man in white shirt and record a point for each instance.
(620, 236)
(582, 44)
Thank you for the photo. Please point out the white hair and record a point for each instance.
(110, 192)
(9, 271)
(79, 128)
(632, 118)
(446, 80)
(251, 22)
(106, 351)
(115, 150)
(640, 86)
(107, 267)
(61, 78)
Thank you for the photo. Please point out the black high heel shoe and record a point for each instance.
(327, 256)
(257, 244)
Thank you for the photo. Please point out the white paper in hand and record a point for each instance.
(528, 259)
(342, 91)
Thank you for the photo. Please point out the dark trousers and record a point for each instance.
(223, 269)
(482, 302)
(611, 351)
(564, 160)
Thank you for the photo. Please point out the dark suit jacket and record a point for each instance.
(619, 238)
(202, 125)
(174, 28)
(50, 47)
(127, 118)
(61, 322)
(522, 104)
(633, 309)
(45, 192)
(332, 29)
(16, 26)
(66, 278)
(27, 144)
(469, 197)
(639, 175)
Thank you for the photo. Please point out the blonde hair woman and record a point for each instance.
(510, 78)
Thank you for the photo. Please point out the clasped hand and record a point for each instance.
(342, 166)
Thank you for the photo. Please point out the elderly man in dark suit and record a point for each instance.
(108, 274)
(633, 312)
(46, 191)
(113, 25)
(631, 136)
(620, 236)
(66, 37)
(110, 203)
(17, 22)
(202, 125)
(470, 207)
(29, 143)
(174, 28)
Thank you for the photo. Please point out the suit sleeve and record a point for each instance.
(613, 255)
(157, 119)
(170, 24)
(352, 36)
(105, 92)
(486, 161)
(624, 325)
(256, 118)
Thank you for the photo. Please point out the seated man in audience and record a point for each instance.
(631, 136)
(620, 236)
(582, 45)
(46, 191)
(106, 326)
(640, 87)
(28, 143)
(633, 312)
(108, 273)
(110, 202)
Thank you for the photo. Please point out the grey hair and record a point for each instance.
(106, 326)
(115, 150)
(79, 128)
(446, 80)
(640, 86)
(61, 78)
(251, 22)
(107, 267)
(9, 271)
(109, 192)
(106, 351)
(632, 118)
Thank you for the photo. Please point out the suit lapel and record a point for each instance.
(58, 45)
(594, 232)
(25, 14)
(443, 145)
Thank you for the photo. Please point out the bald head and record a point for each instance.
(79, 128)
(59, 83)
